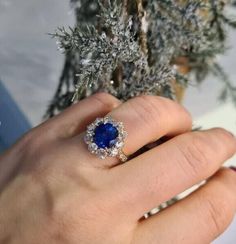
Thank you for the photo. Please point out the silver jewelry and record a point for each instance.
(105, 137)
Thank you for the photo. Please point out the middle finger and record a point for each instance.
(167, 170)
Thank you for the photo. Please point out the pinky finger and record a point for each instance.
(199, 218)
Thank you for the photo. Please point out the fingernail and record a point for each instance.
(233, 168)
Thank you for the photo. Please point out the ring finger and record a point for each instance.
(146, 119)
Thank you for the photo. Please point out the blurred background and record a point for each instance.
(30, 66)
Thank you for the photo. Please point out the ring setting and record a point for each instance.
(105, 137)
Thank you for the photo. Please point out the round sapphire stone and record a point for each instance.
(105, 135)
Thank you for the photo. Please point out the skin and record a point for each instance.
(52, 190)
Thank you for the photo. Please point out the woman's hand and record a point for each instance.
(53, 190)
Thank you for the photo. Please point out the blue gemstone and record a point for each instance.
(105, 135)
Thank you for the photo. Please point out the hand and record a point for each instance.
(53, 190)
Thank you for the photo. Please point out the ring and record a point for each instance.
(105, 137)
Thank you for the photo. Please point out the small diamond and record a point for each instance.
(112, 143)
(119, 144)
(87, 138)
(114, 152)
(97, 121)
(106, 120)
(102, 153)
(124, 134)
(92, 147)
(120, 124)
(91, 127)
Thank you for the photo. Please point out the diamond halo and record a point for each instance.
(105, 137)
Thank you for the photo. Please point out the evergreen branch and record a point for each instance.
(131, 47)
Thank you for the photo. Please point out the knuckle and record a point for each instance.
(147, 108)
(173, 106)
(155, 101)
(219, 144)
(225, 136)
(106, 100)
(195, 152)
(28, 140)
(156, 107)
(34, 145)
(223, 132)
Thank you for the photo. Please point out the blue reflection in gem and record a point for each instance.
(105, 135)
